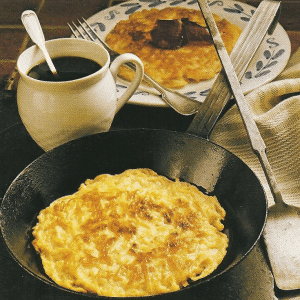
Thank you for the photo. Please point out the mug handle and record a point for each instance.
(139, 73)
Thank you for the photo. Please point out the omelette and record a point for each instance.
(190, 61)
(132, 234)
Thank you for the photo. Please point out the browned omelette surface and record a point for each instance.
(132, 234)
(194, 62)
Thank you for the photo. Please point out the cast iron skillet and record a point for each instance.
(172, 154)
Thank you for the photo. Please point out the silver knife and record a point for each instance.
(282, 226)
(254, 135)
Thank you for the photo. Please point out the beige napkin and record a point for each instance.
(277, 115)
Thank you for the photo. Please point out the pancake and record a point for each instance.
(131, 234)
(174, 68)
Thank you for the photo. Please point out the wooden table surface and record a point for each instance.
(54, 15)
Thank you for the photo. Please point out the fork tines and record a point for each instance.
(86, 28)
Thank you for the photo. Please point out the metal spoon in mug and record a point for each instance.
(34, 29)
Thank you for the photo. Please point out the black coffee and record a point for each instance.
(68, 68)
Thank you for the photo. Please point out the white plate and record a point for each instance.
(268, 62)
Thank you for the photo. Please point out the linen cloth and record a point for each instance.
(276, 110)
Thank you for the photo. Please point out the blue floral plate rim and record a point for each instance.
(268, 62)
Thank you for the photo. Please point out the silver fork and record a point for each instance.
(264, 20)
(179, 102)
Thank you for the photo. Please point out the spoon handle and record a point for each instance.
(49, 61)
(34, 29)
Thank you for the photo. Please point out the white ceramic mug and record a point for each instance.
(56, 112)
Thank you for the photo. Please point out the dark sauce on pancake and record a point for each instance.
(68, 68)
